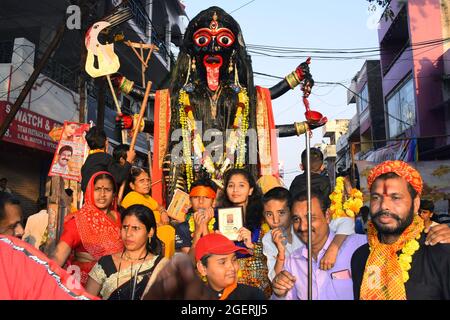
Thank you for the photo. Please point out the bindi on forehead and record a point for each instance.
(103, 183)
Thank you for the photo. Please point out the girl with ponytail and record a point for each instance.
(127, 274)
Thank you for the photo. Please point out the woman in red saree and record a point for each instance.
(93, 231)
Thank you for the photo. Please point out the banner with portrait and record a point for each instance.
(70, 153)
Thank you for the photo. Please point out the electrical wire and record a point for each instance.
(245, 4)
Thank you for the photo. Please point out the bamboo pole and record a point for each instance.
(136, 131)
(141, 114)
(147, 135)
(130, 44)
(144, 66)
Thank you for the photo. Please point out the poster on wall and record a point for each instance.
(70, 153)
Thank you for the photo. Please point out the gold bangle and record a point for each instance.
(141, 125)
(300, 127)
(292, 79)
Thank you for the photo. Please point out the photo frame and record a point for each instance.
(230, 220)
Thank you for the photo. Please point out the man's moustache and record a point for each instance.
(386, 213)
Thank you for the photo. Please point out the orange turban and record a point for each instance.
(400, 168)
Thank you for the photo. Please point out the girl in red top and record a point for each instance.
(94, 230)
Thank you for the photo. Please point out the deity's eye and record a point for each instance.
(225, 39)
(202, 39)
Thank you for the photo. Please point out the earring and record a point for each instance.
(230, 66)
(204, 279)
(193, 66)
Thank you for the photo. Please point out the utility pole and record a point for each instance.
(26, 89)
(83, 54)
(101, 91)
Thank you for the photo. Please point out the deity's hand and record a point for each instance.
(116, 79)
(305, 77)
(301, 76)
(124, 121)
(303, 69)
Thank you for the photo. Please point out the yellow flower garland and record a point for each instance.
(351, 206)
(192, 224)
(265, 228)
(405, 258)
(184, 101)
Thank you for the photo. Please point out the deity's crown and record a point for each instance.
(213, 25)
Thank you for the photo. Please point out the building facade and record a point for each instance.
(413, 47)
(334, 130)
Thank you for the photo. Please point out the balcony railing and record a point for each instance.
(139, 14)
(142, 20)
(60, 73)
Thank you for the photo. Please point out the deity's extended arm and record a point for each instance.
(284, 130)
(300, 75)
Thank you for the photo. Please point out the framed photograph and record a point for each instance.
(230, 221)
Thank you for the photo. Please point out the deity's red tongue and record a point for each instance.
(212, 65)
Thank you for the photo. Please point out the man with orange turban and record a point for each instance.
(396, 264)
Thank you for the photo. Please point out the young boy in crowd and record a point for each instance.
(426, 212)
(100, 160)
(202, 196)
(281, 241)
(120, 154)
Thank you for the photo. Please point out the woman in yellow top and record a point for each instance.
(140, 184)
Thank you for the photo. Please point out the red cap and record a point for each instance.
(216, 243)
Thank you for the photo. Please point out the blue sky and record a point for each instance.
(325, 24)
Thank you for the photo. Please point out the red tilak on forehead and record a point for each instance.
(384, 188)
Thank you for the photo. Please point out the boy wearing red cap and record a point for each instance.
(216, 261)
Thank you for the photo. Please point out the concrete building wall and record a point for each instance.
(415, 22)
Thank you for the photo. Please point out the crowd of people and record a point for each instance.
(134, 250)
